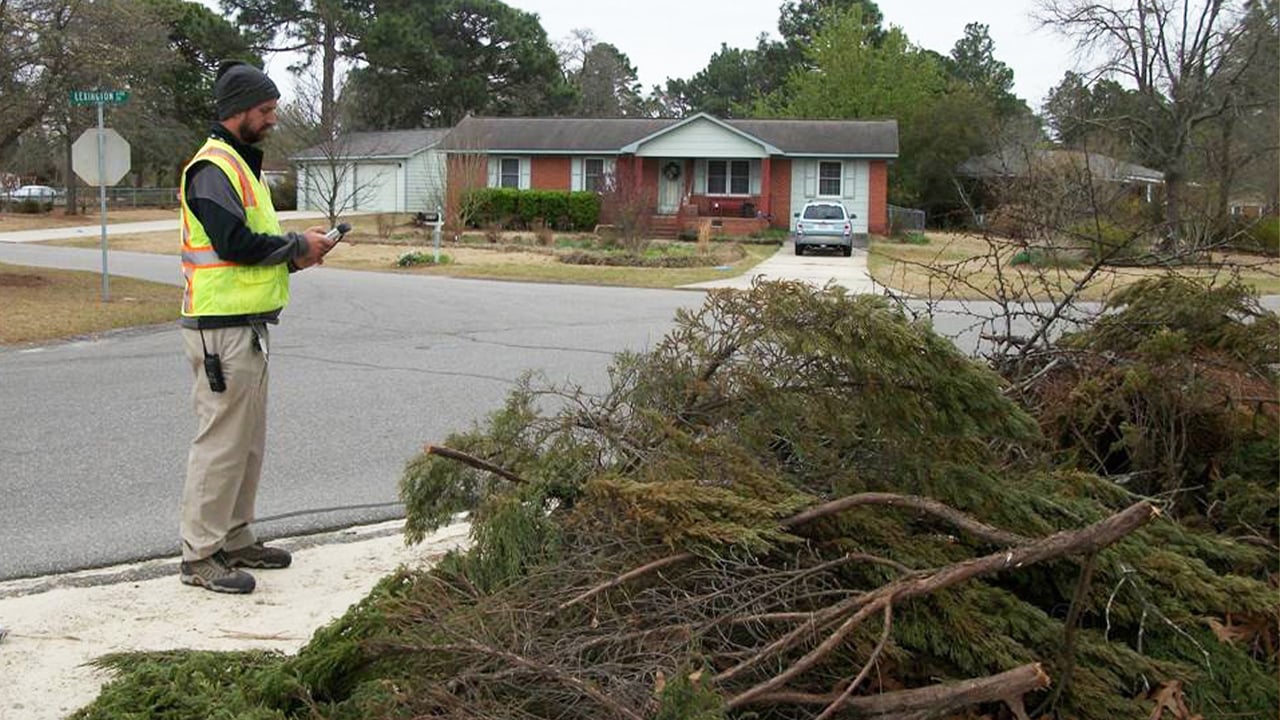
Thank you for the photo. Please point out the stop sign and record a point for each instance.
(84, 157)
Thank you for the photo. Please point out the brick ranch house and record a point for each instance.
(744, 174)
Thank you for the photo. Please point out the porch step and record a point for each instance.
(664, 226)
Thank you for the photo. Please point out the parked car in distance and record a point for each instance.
(824, 224)
(40, 193)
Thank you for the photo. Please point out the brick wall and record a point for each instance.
(780, 192)
(878, 198)
(465, 173)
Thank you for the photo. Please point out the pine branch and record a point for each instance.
(1089, 539)
(929, 701)
(473, 461)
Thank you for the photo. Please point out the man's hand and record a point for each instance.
(317, 246)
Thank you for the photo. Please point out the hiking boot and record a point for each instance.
(214, 573)
(258, 555)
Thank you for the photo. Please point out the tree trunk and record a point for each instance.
(70, 208)
(1226, 174)
(330, 60)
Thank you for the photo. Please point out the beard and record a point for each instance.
(250, 134)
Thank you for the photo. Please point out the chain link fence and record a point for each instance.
(905, 219)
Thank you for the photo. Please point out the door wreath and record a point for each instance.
(671, 170)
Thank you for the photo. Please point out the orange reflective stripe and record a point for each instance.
(188, 280)
(246, 187)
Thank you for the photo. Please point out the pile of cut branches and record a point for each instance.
(799, 505)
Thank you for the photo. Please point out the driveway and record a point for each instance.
(831, 267)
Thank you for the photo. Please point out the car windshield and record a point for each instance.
(824, 212)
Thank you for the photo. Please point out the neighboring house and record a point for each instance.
(1249, 204)
(392, 171)
(1021, 162)
(746, 173)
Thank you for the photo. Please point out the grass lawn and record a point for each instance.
(13, 222)
(935, 270)
(369, 248)
(41, 304)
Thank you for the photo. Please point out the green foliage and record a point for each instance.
(284, 194)
(429, 64)
(1261, 235)
(1180, 405)
(30, 206)
(1045, 258)
(663, 256)
(520, 209)
(413, 258)
(180, 685)
(1109, 242)
(685, 697)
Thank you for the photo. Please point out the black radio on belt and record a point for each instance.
(213, 370)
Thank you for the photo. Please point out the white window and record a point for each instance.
(509, 173)
(829, 174)
(728, 177)
(593, 179)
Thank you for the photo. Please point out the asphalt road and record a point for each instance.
(365, 368)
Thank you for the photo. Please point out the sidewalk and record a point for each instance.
(851, 272)
(58, 624)
(95, 231)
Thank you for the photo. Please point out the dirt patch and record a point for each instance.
(28, 281)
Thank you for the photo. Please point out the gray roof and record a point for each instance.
(579, 135)
(387, 143)
(823, 137)
(1016, 162)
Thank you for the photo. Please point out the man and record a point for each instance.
(236, 264)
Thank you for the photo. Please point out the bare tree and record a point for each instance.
(1180, 55)
(331, 179)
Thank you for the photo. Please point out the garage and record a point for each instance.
(393, 171)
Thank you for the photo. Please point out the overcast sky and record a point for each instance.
(676, 38)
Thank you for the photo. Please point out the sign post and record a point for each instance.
(108, 153)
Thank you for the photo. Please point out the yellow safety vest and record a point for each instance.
(215, 286)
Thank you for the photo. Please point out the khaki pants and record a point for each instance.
(225, 462)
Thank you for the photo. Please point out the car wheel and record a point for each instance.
(848, 250)
(799, 249)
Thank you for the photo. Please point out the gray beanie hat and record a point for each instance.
(240, 86)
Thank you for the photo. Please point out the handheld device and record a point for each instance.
(336, 233)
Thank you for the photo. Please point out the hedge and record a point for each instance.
(522, 209)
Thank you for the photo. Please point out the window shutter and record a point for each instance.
(575, 174)
(525, 170)
(848, 187)
(755, 178)
(700, 177)
(494, 166)
(810, 178)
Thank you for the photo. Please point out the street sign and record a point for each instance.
(115, 159)
(93, 97)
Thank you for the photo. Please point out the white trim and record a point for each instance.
(634, 147)
(839, 179)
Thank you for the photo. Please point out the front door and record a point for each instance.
(670, 186)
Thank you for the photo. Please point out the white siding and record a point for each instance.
(378, 186)
(425, 182)
(702, 138)
(854, 188)
(316, 183)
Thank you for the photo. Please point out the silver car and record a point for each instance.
(824, 224)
